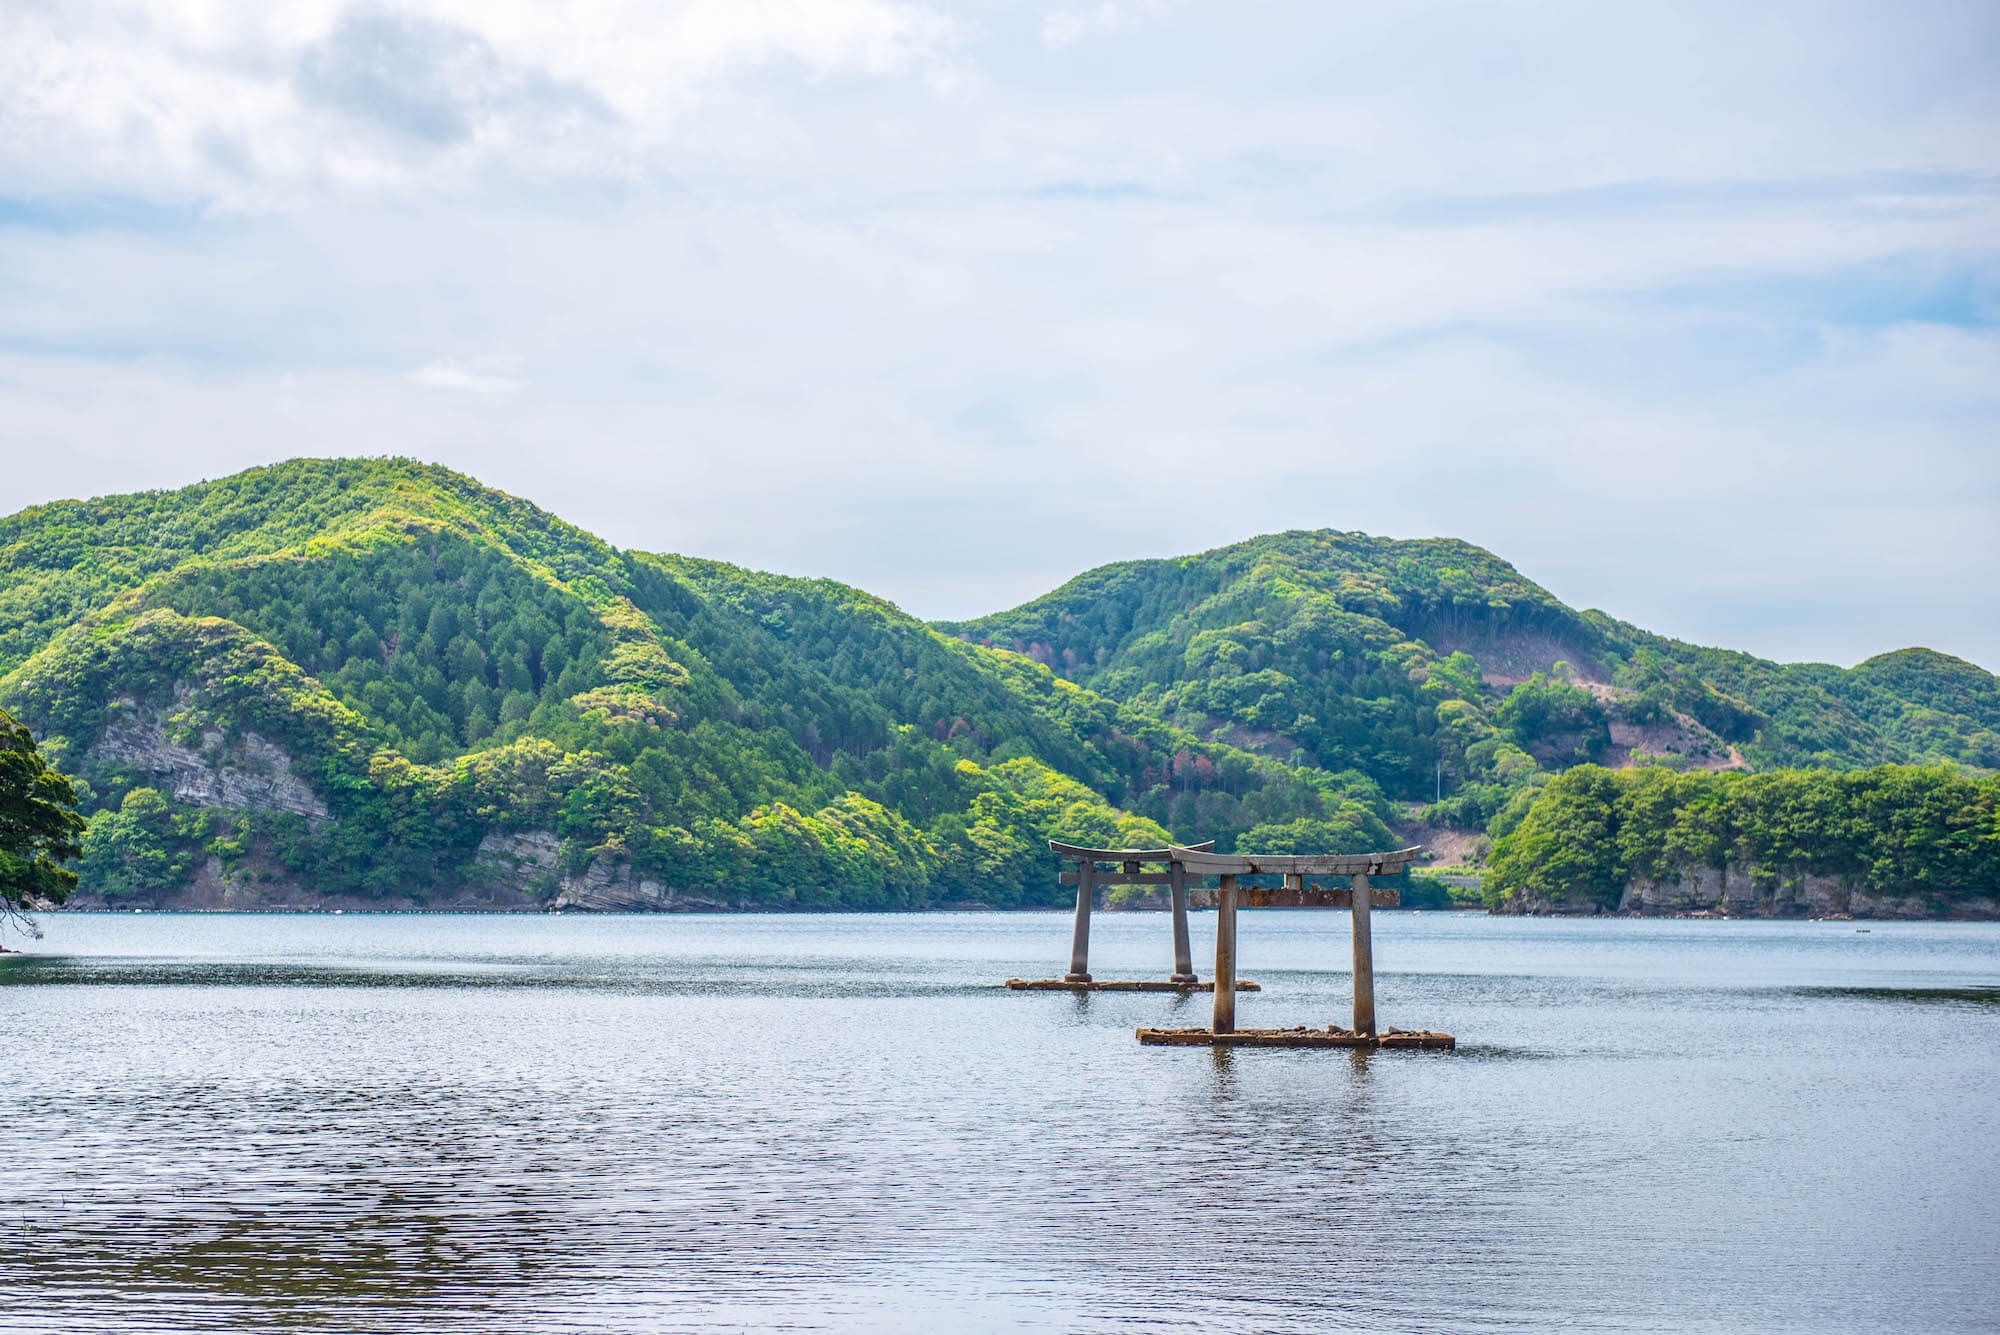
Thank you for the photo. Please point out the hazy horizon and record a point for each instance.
(1144, 556)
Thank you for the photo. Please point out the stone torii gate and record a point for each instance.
(1087, 879)
(1202, 861)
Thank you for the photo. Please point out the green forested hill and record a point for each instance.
(1406, 658)
(1438, 671)
(383, 680)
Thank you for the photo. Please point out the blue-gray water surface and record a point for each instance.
(554, 1124)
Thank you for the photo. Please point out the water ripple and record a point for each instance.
(844, 1124)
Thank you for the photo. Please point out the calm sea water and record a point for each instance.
(383, 1124)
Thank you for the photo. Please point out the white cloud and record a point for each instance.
(1656, 300)
(1065, 27)
(248, 106)
(481, 375)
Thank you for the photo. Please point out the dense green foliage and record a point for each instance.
(147, 846)
(370, 676)
(1893, 830)
(38, 822)
(1434, 668)
(444, 666)
(1329, 648)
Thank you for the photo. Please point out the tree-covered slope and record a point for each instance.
(382, 678)
(1432, 663)
(61, 561)
(1891, 841)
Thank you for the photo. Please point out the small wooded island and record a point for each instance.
(343, 683)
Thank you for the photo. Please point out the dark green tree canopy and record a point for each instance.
(439, 677)
(1896, 829)
(388, 680)
(39, 827)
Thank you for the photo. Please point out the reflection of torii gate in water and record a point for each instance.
(1200, 861)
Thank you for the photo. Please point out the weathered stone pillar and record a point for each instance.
(1364, 959)
(1183, 952)
(1225, 956)
(1079, 938)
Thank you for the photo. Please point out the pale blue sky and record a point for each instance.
(1692, 311)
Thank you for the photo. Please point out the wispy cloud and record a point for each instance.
(1862, 195)
(1657, 299)
(480, 375)
(262, 106)
(1065, 27)
(430, 81)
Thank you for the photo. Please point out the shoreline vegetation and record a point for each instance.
(327, 680)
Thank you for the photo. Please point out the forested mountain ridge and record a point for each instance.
(381, 679)
(1481, 700)
(381, 682)
(1415, 661)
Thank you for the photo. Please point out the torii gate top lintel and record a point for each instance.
(1309, 864)
(1077, 853)
(1202, 860)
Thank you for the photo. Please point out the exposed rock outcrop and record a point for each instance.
(525, 863)
(1683, 737)
(256, 883)
(529, 864)
(1509, 657)
(245, 772)
(247, 889)
(1738, 891)
(513, 872)
(606, 887)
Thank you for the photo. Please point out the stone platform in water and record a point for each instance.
(1295, 1038)
(1119, 985)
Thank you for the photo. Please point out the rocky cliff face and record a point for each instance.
(513, 873)
(616, 888)
(522, 864)
(246, 772)
(258, 884)
(1742, 892)
(527, 864)
(1738, 891)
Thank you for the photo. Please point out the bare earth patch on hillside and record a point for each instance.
(1683, 738)
(1447, 847)
(1507, 660)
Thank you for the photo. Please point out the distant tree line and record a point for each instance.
(1927, 832)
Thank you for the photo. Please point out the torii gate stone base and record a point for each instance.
(1203, 862)
(1086, 878)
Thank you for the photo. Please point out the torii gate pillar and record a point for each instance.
(1364, 958)
(1225, 955)
(1183, 952)
(1079, 932)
